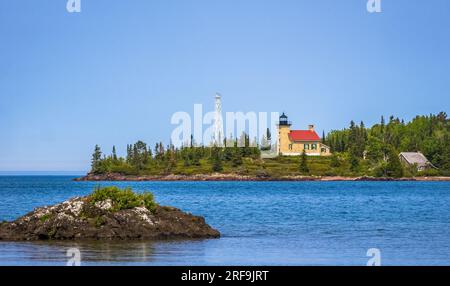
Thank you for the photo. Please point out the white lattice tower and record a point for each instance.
(218, 122)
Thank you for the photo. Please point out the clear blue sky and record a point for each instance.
(116, 72)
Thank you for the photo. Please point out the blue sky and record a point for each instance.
(117, 71)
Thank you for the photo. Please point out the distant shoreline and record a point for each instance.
(236, 177)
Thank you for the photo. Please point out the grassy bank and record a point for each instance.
(254, 167)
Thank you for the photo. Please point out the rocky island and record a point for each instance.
(418, 150)
(107, 214)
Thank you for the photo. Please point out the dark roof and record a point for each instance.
(283, 116)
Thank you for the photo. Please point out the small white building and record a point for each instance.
(416, 159)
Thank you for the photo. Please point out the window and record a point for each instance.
(314, 146)
(306, 146)
(290, 147)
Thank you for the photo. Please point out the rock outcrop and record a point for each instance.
(80, 219)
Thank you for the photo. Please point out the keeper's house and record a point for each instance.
(293, 142)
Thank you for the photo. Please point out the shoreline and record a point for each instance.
(243, 178)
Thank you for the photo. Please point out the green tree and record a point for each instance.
(303, 167)
(237, 156)
(354, 162)
(334, 162)
(268, 134)
(228, 153)
(375, 151)
(96, 160)
(216, 159)
(129, 154)
(114, 154)
(394, 167)
(196, 154)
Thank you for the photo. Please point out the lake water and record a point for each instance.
(262, 223)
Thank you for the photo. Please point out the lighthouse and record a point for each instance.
(218, 122)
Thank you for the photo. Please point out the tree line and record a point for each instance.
(380, 145)
(141, 158)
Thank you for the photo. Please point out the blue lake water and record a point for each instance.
(262, 223)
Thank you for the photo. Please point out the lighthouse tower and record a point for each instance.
(218, 122)
(284, 128)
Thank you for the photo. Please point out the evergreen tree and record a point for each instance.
(161, 150)
(129, 154)
(196, 154)
(157, 152)
(216, 159)
(149, 154)
(136, 159)
(228, 153)
(114, 154)
(364, 135)
(354, 162)
(237, 156)
(268, 135)
(394, 167)
(304, 169)
(96, 160)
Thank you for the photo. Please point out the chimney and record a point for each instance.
(311, 127)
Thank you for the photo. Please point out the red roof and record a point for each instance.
(303, 135)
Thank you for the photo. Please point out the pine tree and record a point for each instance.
(382, 127)
(304, 163)
(394, 167)
(216, 159)
(96, 159)
(136, 160)
(237, 156)
(354, 162)
(228, 153)
(161, 150)
(157, 151)
(114, 154)
(196, 154)
(268, 135)
(129, 154)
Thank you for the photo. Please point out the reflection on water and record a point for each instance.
(97, 253)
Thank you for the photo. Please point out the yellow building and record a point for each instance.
(293, 142)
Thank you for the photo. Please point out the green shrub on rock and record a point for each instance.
(123, 199)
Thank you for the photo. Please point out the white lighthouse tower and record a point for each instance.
(218, 122)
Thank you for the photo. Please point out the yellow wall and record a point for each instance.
(287, 147)
(283, 139)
